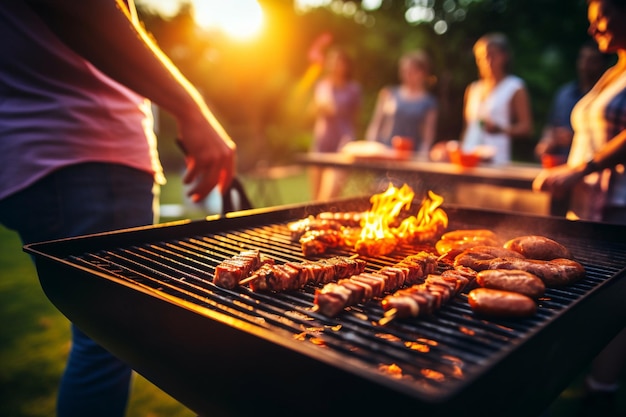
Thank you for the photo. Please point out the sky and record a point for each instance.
(238, 18)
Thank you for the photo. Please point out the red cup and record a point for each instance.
(468, 160)
(550, 160)
(402, 143)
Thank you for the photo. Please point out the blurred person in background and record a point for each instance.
(496, 107)
(556, 140)
(596, 176)
(557, 135)
(78, 153)
(407, 111)
(336, 105)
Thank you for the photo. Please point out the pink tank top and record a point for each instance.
(56, 109)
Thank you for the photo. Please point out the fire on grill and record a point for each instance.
(377, 231)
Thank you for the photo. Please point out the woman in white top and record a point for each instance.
(595, 167)
(497, 106)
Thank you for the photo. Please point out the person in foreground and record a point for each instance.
(496, 107)
(595, 171)
(77, 151)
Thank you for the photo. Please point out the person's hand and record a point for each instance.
(558, 180)
(562, 136)
(210, 155)
(326, 109)
(543, 147)
(491, 127)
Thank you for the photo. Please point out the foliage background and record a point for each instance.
(255, 87)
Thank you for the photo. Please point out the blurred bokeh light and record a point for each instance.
(241, 19)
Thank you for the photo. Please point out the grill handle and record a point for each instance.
(234, 198)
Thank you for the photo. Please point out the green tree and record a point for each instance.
(256, 87)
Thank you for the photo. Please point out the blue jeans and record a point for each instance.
(77, 200)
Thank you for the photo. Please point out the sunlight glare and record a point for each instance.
(371, 4)
(242, 19)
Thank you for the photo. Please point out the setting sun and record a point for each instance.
(242, 19)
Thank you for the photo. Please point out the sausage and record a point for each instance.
(538, 247)
(456, 241)
(451, 248)
(469, 234)
(469, 257)
(499, 303)
(514, 280)
(553, 273)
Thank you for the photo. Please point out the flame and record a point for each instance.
(379, 237)
(392, 369)
(429, 222)
(417, 346)
(432, 374)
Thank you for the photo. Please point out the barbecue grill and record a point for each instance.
(146, 295)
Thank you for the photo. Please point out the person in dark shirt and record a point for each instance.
(556, 140)
(557, 135)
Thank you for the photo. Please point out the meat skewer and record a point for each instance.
(228, 273)
(346, 218)
(359, 288)
(424, 298)
(299, 227)
(316, 242)
(294, 275)
(317, 234)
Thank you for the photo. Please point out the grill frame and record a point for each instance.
(308, 378)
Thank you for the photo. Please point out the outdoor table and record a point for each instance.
(486, 185)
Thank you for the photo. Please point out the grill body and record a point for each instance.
(145, 294)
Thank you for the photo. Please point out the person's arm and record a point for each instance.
(355, 109)
(565, 177)
(430, 129)
(102, 32)
(323, 99)
(611, 154)
(373, 129)
(522, 125)
(466, 103)
(554, 138)
(521, 117)
(466, 121)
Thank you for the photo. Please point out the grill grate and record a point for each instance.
(427, 356)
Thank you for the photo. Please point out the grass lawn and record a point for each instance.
(34, 343)
(34, 336)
